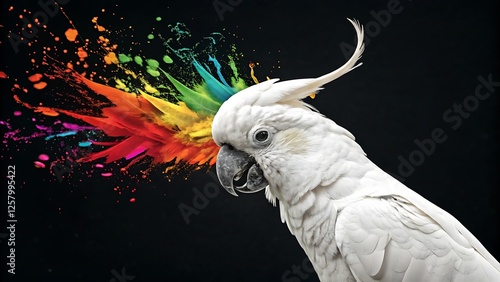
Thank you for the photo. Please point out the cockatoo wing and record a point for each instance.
(390, 239)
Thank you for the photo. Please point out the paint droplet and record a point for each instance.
(3, 74)
(43, 157)
(99, 166)
(124, 58)
(167, 59)
(149, 88)
(82, 54)
(151, 36)
(132, 200)
(50, 113)
(152, 71)
(40, 85)
(39, 164)
(111, 58)
(35, 77)
(17, 113)
(106, 174)
(138, 60)
(84, 143)
(71, 34)
(152, 63)
(158, 19)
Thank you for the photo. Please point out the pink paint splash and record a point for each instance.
(43, 157)
(39, 164)
(140, 149)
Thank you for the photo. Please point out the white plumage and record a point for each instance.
(354, 221)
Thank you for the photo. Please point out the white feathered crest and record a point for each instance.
(298, 89)
(291, 92)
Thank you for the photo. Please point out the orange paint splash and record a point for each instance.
(44, 110)
(50, 113)
(71, 34)
(40, 85)
(97, 26)
(82, 54)
(111, 58)
(35, 77)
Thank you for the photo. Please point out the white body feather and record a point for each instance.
(354, 221)
(367, 226)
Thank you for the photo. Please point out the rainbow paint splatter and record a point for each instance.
(106, 102)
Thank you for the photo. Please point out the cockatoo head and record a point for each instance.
(267, 132)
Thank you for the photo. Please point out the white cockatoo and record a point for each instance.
(354, 221)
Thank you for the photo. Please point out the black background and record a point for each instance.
(426, 59)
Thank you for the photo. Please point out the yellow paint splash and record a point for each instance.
(252, 72)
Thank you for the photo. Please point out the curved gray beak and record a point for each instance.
(231, 166)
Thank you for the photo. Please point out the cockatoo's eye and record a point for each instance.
(262, 136)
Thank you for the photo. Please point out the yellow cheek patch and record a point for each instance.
(293, 140)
